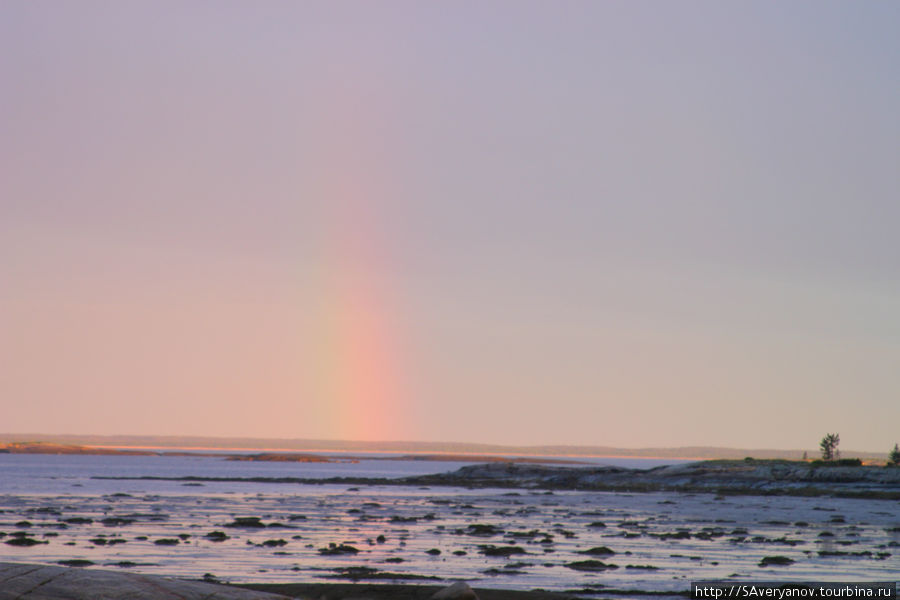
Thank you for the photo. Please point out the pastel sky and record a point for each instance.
(616, 223)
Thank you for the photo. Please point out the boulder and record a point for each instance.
(458, 591)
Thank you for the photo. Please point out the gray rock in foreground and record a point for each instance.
(40, 582)
(458, 591)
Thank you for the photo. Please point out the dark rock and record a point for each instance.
(167, 542)
(597, 551)
(23, 541)
(776, 560)
(505, 551)
(590, 565)
(480, 529)
(528, 535)
(334, 550)
(78, 521)
(246, 522)
(678, 535)
(76, 562)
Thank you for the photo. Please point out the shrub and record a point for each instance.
(894, 456)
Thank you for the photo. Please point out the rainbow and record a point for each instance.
(357, 392)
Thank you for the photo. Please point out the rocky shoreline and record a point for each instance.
(719, 476)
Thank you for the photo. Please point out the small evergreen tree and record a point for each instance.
(894, 456)
(829, 445)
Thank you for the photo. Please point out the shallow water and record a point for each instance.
(723, 537)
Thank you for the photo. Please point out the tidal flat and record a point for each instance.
(493, 538)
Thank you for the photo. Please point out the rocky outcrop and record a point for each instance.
(724, 476)
(37, 582)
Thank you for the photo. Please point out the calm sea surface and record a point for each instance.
(61, 474)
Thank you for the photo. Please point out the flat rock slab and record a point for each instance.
(40, 582)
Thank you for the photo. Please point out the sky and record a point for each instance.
(631, 224)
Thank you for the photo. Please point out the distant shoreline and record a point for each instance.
(253, 444)
(395, 454)
(247, 455)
